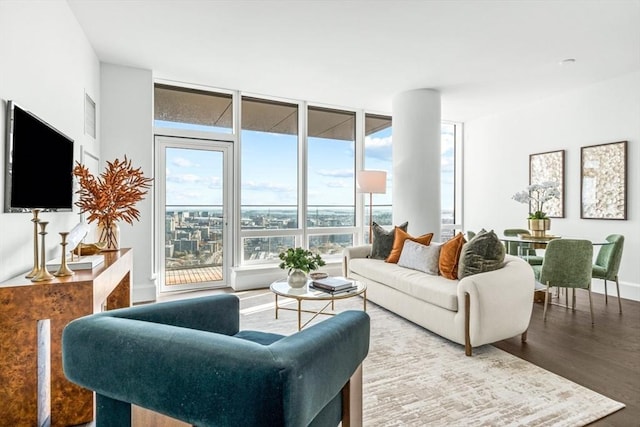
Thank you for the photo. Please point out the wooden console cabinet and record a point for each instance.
(22, 305)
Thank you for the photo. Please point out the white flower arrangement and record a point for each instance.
(536, 195)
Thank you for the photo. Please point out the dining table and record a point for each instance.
(541, 242)
(533, 242)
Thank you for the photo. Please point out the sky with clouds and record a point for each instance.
(269, 171)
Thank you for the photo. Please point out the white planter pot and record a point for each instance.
(297, 279)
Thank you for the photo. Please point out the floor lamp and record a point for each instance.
(371, 182)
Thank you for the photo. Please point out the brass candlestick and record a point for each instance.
(36, 265)
(43, 274)
(63, 270)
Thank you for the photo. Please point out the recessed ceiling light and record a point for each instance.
(567, 61)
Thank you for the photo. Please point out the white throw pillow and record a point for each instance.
(420, 257)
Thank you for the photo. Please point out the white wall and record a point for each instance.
(127, 117)
(46, 65)
(496, 166)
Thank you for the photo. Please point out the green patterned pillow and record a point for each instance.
(485, 252)
(383, 240)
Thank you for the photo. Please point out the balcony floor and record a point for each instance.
(187, 276)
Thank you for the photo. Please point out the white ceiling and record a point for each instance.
(483, 56)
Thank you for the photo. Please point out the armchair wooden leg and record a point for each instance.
(352, 400)
(546, 302)
(467, 314)
(591, 306)
(618, 291)
(606, 294)
(523, 337)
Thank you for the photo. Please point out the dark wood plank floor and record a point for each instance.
(604, 358)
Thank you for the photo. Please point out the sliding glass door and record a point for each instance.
(192, 212)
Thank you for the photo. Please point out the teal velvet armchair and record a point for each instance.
(189, 360)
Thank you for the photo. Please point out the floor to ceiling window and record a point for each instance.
(295, 182)
(330, 180)
(269, 189)
(377, 156)
(450, 184)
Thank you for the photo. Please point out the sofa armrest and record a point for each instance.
(501, 301)
(353, 252)
(216, 313)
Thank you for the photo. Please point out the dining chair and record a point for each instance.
(520, 249)
(567, 264)
(608, 263)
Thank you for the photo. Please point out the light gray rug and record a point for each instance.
(415, 378)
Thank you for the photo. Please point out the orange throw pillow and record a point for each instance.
(398, 243)
(450, 256)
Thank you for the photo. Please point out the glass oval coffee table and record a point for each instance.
(282, 289)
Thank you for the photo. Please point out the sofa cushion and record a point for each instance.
(436, 290)
(450, 256)
(398, 243)
(420, 257)
(383, 240)
(485, 252)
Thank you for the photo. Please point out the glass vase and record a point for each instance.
(109, 233)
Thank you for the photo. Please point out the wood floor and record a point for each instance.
(604, 357)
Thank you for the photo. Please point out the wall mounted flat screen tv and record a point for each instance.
(38, 164)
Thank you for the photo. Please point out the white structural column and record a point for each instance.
(416, 161)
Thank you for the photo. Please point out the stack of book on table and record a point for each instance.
(333, 285)
(87, 262)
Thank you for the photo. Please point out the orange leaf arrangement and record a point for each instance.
(112, 196)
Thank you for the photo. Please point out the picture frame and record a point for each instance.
(603, 181)
(549, 166)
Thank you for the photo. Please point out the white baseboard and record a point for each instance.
(143, 293)
(258, 277)
(628, 290)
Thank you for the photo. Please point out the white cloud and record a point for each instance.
(266, 186)
(185, 178)
(182, 162)
(336, 173)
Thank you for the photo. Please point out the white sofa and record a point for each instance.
(476, 310)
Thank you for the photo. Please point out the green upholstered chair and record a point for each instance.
(608, 263)
(567, 264)
(521, 249)
(187, 359)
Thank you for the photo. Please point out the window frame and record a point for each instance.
(303, 233)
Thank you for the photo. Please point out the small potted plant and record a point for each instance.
(536, 195)
(299, 262)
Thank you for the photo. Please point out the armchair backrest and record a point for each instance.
(512, 247)
(567, 263)
(609, 256)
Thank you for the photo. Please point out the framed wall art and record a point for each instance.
(603, 181)
(549, 167)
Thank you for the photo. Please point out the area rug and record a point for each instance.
(413, 377)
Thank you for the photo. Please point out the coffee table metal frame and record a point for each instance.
(281, 288)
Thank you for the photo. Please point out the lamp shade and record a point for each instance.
(372, 181)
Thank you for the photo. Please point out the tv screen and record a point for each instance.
(39, 164)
